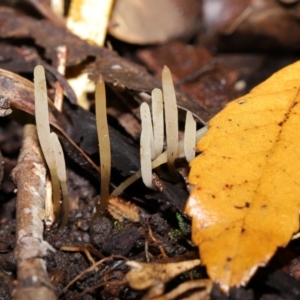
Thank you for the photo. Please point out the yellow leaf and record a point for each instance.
(246, 199)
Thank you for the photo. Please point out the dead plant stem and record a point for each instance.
(30, 177)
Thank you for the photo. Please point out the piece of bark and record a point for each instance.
(30, 178)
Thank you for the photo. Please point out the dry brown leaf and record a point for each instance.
(121, 210)
(154, 21)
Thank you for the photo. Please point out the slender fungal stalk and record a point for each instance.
(153, 137)
(104, 144)
(171, 118)
(145, 148)
(126, 183)
(189, 137)
(61, 172)
(161, 159)
(158, 121)
(43, 132)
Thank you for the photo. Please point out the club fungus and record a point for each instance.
(183, 147)
(62, 176)
(104, 144)
(43, 131)
(189, 137)
(147, 146)
(158, 121)
(171, 118)
(160, 160)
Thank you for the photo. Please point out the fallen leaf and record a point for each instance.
(246, 199)
(146, 24)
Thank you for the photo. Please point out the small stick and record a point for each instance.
(84, 250)
(30, 178)
(90, 269)
(154, 239)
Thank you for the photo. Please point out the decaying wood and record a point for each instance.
(30, 178)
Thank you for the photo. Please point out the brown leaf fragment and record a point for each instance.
(121, 210)
(14, 25)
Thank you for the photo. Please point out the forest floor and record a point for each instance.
(210, 68)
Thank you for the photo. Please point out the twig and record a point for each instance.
(90, 269)
(108, 283)
(30, 178)
(154, 239)
(84, 250)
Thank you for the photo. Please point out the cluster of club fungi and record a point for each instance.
(159, 131)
